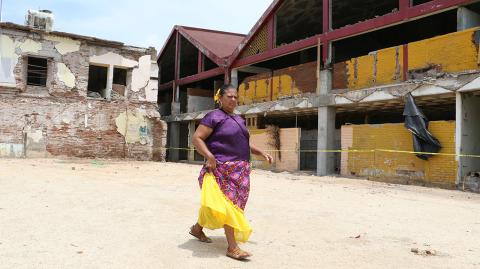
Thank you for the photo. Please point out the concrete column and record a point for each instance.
(173, 141)
(458, 136)
(175, 101)
(176, 94)
(191, 131)
(234, 77)
(325, 82)
(326, 128)
(467, 18)
(108, 89)
(175, 108)
(326, 141)
(467, 133)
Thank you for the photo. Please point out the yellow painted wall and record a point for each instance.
(378, 68)
(389, 65)
(438, 170)
(453, 52)
(282, 83)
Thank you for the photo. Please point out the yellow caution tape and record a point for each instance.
(351, 151)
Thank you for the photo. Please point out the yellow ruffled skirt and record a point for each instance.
(217, 210)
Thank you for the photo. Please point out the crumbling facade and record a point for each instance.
(63, 94)
(332, 76)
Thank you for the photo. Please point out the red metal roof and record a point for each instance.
(216, 45)
(222, 44)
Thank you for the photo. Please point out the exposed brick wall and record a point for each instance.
(60, 119)
(80, 128)
(404, 167)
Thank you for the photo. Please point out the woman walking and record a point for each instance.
(223, 139)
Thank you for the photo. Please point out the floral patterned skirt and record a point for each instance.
(233, 178)
(224, 196)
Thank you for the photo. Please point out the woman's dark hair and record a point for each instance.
(226, 87)
(221, 92)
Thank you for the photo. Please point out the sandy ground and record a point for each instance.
(111, 214)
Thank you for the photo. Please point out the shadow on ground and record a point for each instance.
(216, 249)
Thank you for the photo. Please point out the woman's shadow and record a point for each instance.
(199, 249)
(218, 248)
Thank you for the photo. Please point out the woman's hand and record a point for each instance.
(268, 158)
(211, 164)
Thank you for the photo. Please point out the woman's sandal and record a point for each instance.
(238, 254)
(200, 236)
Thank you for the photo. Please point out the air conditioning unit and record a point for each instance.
(40, 19)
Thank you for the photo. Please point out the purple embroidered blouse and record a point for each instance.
(229, 140)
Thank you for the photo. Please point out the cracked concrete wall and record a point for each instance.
(68, 67)
(10, 55)
(140, 86)
(59, 119)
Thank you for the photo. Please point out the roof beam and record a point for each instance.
(254, 69)
(201, 76)
(277, 52)
(405, 14)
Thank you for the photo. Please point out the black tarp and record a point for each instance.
(417, 123)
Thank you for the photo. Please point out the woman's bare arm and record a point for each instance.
(257, 151)
(198, 140)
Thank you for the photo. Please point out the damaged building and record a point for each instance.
(63, 94)
(324, 85)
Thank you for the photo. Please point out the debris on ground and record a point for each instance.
(425, 252)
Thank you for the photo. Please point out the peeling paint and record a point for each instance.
(150, 92)
(30, 46)
(115, 59)
(133, 126)
(35, 136)
(8, 60)
(65, 45)
(141, 74)
(65, 75)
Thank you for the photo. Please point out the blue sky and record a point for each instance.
(140, 22)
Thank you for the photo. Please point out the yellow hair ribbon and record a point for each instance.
(217, 96)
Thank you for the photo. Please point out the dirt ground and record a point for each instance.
(118, 214)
